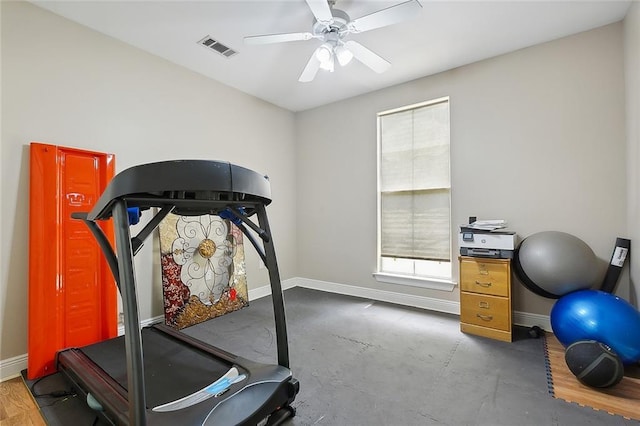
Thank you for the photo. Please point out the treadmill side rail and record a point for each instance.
(87, 377)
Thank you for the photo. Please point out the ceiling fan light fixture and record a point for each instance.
(344, 55)
(324, 53)
(328, 65)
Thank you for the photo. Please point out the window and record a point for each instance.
(414, 187)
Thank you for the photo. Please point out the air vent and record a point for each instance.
(216, 46)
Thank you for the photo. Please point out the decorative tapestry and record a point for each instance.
(203, 270)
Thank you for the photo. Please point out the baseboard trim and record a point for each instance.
(527, 319)
(11, 367)
(143, 323)
(265, 290)
(432, 304)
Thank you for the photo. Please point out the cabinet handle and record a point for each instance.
(485, 317)
(482, 269)
(483, 284)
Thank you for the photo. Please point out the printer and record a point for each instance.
(487, 241)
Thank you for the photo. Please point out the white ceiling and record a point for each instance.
(447, 34)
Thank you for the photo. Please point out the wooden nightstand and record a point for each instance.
(485, 297)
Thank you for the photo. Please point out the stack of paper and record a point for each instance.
(486, 225)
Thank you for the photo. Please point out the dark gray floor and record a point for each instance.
(361, 362)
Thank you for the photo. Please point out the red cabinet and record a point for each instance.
(72, 294)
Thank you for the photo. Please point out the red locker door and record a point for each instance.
(72, 295)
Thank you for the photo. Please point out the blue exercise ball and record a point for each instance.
(553, 263)
(600, 316)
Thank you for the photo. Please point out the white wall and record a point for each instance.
(2, 203)
(537, 138)
(632, 78)
(67, 85)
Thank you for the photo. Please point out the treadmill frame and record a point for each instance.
(187, 187)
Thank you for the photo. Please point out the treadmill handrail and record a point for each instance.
(185, 180)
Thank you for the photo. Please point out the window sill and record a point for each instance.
(415, 281)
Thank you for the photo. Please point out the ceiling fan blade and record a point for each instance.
(367, 57)
(311, 69)
(389, 16)
(321, 10)
(277, 38)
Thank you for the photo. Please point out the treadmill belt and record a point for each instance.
(172, 369)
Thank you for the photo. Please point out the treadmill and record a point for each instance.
(158, 375)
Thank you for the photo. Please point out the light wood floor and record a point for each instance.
(16, 405)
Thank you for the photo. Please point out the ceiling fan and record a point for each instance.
(331, 26)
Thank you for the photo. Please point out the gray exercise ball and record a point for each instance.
(552, 264)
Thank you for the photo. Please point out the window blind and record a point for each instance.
(415, 183)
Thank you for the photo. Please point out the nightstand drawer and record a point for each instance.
(485, 276)
(486, 311)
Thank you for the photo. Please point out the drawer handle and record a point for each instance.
(483, 284)
(485, 317)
